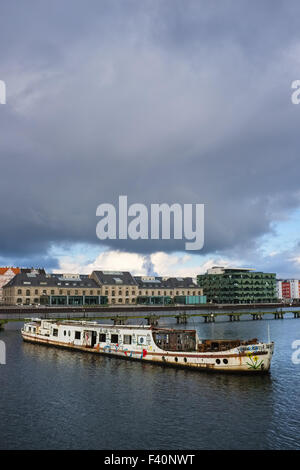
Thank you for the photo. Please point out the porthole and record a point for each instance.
(176, 359)
(185, 359)
(218, 361)
(225, 361)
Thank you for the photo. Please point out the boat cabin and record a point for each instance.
(174, 340)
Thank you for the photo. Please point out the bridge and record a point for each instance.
(120, 315)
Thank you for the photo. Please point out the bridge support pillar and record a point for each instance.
(2, 323)
(182, 319)
(119, 320)
(152, 320)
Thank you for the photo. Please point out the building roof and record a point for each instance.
(50, 280)
(4, 270)
(117, 278)
(33, 270)
(156, 282)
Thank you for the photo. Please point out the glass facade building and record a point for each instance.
(238, 286)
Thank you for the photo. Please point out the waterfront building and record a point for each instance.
(34, 288)
(100, 287)
(288, 289)
(237, 286)
(118, 286)
(6, 274)
(155, 290)
(121, 287)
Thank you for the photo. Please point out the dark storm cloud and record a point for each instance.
(163, 101)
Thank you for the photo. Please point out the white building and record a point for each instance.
(288, 289)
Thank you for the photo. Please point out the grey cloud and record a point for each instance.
(162, 101)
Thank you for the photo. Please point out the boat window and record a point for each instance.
(175, 340)
(102, 338)
(127, 339)
(55, 332)
(65, 332)
(77, 334)
(114, 339)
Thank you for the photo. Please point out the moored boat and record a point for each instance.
(148, 343)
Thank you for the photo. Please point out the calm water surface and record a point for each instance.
(58, 399)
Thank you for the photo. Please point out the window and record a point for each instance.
(77, 334)
(127, 339)
(113, 293)
(36, 291)
(52, 292)
(102, 338)
(65, 332)
(55, 332)
(114, 339)
(120, 300)
(91, 292)
(28, 292)
(19, 291)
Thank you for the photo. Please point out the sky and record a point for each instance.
(165, 101)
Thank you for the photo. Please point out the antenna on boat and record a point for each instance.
(269, 339)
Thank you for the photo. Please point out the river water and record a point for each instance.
(59, 399)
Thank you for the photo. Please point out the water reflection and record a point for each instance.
(52, 398)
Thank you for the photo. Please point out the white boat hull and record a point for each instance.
(254, 358)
